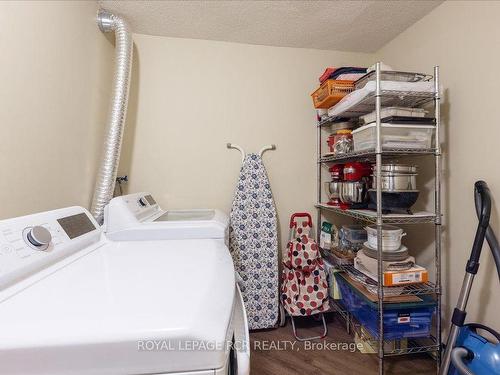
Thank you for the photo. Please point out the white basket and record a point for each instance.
(394, 136)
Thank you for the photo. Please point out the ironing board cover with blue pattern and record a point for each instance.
(253, 243)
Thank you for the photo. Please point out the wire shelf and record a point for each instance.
(413, 290)
(413, 346)
(349, 110)
(370, 216)
(370, 155)
(389, 98)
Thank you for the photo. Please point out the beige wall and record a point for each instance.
(190, 97)
(53, 104)
(464, 39)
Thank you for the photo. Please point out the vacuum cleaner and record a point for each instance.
(467, 351)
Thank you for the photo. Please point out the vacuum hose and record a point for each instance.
(458, 355)
(482, 200)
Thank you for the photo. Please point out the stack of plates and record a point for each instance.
(388, 256)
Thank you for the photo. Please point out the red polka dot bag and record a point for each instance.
(304, 289)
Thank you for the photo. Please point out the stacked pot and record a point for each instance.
(399, 188)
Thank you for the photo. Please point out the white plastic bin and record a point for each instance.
(394, 136)
(394, 111)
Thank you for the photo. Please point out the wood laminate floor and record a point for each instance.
(274, 353)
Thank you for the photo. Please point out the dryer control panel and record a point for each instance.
(31, 243)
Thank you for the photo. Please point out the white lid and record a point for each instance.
(385, 228)
(392, 125)
(127, 219)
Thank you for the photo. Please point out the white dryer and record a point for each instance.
(74, 302)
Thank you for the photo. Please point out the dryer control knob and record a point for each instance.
(142, 202)
(39, 236)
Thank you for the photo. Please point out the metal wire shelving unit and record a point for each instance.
(375, 101)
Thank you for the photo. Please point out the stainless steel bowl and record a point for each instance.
(396, 181)
(353, 192)
(333, 189)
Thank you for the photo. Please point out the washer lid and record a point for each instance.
(128, 308)
(139, 217)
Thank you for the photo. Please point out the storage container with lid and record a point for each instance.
(341, 142)
(401, 320)
(394, 136)
(354, 233)
(395, 111)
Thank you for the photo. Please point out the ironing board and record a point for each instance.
(253, 242)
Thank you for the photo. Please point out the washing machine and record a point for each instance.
(73, 301)
(138, 216)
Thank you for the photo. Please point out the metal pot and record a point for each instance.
(396, 181)
(353, 192)
(396, 168)
(333, 189)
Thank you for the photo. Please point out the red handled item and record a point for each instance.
(293, 223)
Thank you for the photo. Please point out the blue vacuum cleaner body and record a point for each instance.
(484, 358)
(467, 352)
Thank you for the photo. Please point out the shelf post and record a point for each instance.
(318, 181)
(378, 152)
(437, 211)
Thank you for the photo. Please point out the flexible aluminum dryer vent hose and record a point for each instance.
(106, 177)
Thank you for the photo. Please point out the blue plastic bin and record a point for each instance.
(401, 320)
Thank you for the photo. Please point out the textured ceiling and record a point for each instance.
(362, 26)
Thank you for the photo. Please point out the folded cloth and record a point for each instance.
(350, 76)
(371, 264)
(347, 70)
(326, 74)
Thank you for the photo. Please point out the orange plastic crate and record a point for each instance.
(331, 92)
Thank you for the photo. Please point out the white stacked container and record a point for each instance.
(391, 237)
(394, 136)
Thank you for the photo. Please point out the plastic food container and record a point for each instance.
(391, 237)
(331, 92)
(401, 320)
(342, 142)
(394, 136)
(354, 233)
